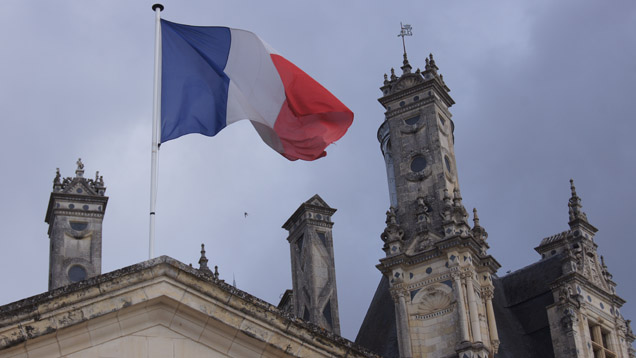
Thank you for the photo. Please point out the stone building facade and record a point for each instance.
(439, 294)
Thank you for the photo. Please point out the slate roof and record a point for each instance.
(520, 303)
(378, 332)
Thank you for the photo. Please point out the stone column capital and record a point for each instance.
(487, 292)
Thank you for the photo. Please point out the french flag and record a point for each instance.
(214, 76)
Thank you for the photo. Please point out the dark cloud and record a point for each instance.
(544, 93)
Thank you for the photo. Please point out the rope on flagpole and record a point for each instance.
(156, 114)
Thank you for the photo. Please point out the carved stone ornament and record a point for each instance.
(565, 293)
(406, 81)
(592, 268)
(392, 232)
(433, 299)
(488, 292)
(423, 241)
(568, 319)
(79, 184)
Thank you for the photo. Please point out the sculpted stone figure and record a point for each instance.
(392, 232)
(56, 180)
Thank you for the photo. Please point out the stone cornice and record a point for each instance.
(167, 280)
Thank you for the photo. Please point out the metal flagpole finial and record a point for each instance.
(155, 6)
(405, 30)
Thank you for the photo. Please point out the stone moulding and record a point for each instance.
(174, 286)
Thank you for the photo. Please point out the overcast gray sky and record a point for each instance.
(545, 92)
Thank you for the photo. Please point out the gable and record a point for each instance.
(159, 328)
(316, 200)
(79, 186)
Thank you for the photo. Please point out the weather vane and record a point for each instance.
(405, 30)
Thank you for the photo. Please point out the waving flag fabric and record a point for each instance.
(215, 76)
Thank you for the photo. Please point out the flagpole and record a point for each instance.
(156, 114)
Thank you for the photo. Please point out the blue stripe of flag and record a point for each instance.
(194, 87)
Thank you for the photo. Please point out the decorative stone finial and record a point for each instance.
(606, 274)
(386, 79)
(216, 272)
(478, 231)
(475, 217)
(430, 64)
(574, 205)
(457, 199)
(393, 233)
(393, 76)
(406, 67)
(79, 172)
(203, 261)
(391, 217)
(57, 182)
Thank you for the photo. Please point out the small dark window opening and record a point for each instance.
(76, 273)
(323, 238)
(299, 243)
(418, 164)
(447, 161)
(327, 314)
(79, 226)
(413, 120)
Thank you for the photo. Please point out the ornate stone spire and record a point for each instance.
(574, 205)
(475, 218)
(406, 67)
(478, 231)
(203, 261)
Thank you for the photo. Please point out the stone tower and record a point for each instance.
(438, 269)
(585, 319)
(314, 296)
(75, 213)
